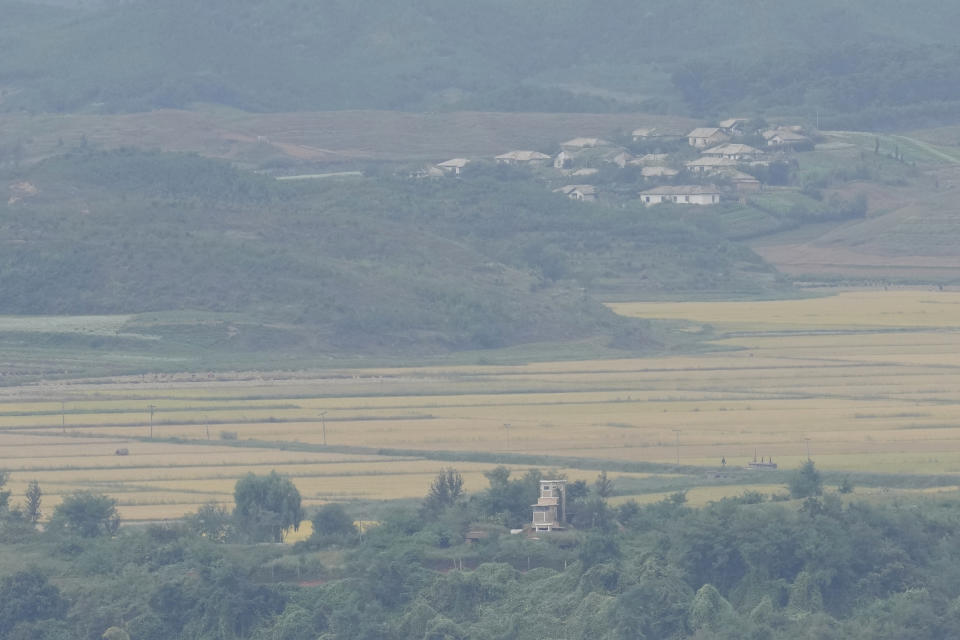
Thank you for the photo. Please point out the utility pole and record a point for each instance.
(206, 421)
(506, 426)
(63, 416)
(677, 431)
(323, 426)
(152, 408)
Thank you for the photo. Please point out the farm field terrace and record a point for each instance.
(867, 381)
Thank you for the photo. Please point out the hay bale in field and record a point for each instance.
(123, 451)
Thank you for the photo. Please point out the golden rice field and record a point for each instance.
(863, 380)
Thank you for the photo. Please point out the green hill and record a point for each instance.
(209, 257)
(862, 64)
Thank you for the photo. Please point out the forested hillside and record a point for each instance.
(822, 568)
(862, 64)
(353, 265)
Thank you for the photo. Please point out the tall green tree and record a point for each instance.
(806, 481)
(333, 520)
(87, 514)
(266, 506)
(444, 491)
(4, 495)
(33, 499)
(603, 486)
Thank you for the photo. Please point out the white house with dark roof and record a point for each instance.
(703, 137)
(682, 194)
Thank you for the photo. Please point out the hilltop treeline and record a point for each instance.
(862, 64)
(744, 567)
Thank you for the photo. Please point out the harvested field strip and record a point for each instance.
(862, 397)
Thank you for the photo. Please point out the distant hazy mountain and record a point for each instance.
(858, 63)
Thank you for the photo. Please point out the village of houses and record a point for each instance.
(701, 167)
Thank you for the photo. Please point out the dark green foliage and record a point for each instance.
(806, 481)
(27, 597)
(211, 521)
(4, 495)
(445, 490)
(510, 500)
(266, 506)
(603, 486)
(846, 485)
(733, 570)
(87, 514)
(216, 260)
(333, 521)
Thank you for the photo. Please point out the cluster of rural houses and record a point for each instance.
(719, 157)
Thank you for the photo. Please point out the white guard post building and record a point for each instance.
(550, 512)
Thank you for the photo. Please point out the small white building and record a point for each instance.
(733, 125)
(703, 137)
(550, 512)
(733, 152)
(621, 159)
(523, 157)
(579, 144)
(586, 171)
(785, 138)
(581, 192)
(683, 194)
(658, 172)
(453, 166)
(653, 133)
(710, 164)
(563, 160)
(743, 182)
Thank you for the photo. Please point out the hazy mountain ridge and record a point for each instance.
(747, 57)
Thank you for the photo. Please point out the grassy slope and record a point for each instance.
(910, 231)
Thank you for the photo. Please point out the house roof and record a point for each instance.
(620, 158)
(712, 161)
(523, 156)
(731, 122)
(454, 163)
(731, 150)
(586, 171)
(643, 132)
(682, 190)
(741, 177)
(582, 143)
(704, 132)
(655, 172)
(651, 159)
(585, 189)
(784, 134)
